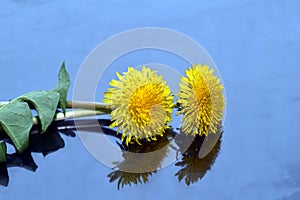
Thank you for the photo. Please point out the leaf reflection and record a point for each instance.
(46, 143)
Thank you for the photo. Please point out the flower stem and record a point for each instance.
(88, 106)
(81, 109)
(71, 115)
(68, 115)
(81, 105)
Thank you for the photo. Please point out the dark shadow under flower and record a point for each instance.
(126, 178)
(141, 161)
(194, 164)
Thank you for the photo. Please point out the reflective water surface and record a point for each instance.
(255, 45)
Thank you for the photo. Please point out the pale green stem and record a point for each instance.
(81, 109)
(88, 106)
(71, 115)
(80, 105)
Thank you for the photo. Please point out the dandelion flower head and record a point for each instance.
(201, 100)
(141, 104)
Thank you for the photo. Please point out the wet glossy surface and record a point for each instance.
(256, 46)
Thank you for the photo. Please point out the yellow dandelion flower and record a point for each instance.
(141, 104)
(201, 101)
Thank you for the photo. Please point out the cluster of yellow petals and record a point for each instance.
(202, 101)
(141, 104)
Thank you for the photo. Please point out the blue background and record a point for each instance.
(256, 46)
